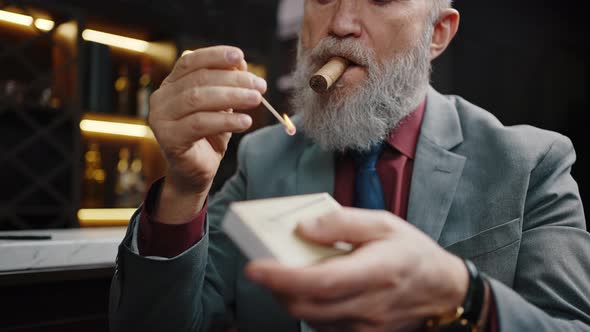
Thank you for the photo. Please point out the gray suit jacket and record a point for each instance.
(500, 196)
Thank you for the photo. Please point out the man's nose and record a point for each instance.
(346, 20)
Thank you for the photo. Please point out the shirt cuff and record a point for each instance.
(165, 240)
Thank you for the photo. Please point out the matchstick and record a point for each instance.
(273, 111)
(286, 122)
(323, 79)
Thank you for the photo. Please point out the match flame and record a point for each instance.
(289, 126)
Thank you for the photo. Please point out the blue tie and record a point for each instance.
(368, 193)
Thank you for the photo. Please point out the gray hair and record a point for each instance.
(437, 7)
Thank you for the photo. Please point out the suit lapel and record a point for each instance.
(437, 170)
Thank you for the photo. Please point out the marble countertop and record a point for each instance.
(66, 248)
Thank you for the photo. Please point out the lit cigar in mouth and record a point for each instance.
(323, 79)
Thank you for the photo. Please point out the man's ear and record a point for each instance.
(445, 29)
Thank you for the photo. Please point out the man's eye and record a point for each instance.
(324, 2)
(382, 2)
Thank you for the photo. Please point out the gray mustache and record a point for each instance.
(346, 48)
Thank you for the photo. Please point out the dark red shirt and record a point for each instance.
(394, 167)
(164, 240)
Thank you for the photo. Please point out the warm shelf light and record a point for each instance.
(26, 20)
(44, 24)
(164, 52)
(110, 39)
(105, 214)
(104, 217)
(115, 128)
(15, 18)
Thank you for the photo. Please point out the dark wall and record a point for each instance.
(526, 62)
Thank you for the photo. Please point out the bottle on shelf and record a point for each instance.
(145, 89)
(138, 176)
(130, 185)
(123, 90)
(98, 86)
(94, 178)
(12, 92)
(47, 99)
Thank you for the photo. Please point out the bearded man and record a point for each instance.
(457, 222)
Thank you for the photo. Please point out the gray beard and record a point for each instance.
(356, 118)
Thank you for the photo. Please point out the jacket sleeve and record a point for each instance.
(193, 291)
(552, 282)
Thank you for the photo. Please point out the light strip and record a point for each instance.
(25, 20)
(15, 18)
(110, 39)
(105, 214)
(115, 128)
(43, 24)
(105, 38)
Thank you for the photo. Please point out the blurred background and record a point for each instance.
(75, 80)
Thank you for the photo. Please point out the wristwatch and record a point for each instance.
(467, 316)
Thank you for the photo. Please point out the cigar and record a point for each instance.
(323, 79)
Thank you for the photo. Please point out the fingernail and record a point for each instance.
(233, 56)
(245, 120)
(309, 225)
(260, 84)
(252, 96)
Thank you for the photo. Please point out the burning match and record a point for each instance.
(290, 128)
(324, 78)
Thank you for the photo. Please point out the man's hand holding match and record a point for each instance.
(394, 280)
(192, 119)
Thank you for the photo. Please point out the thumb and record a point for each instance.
(354, 226)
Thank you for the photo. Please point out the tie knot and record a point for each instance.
(366, 160)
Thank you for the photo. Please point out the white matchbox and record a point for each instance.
(266, 228)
